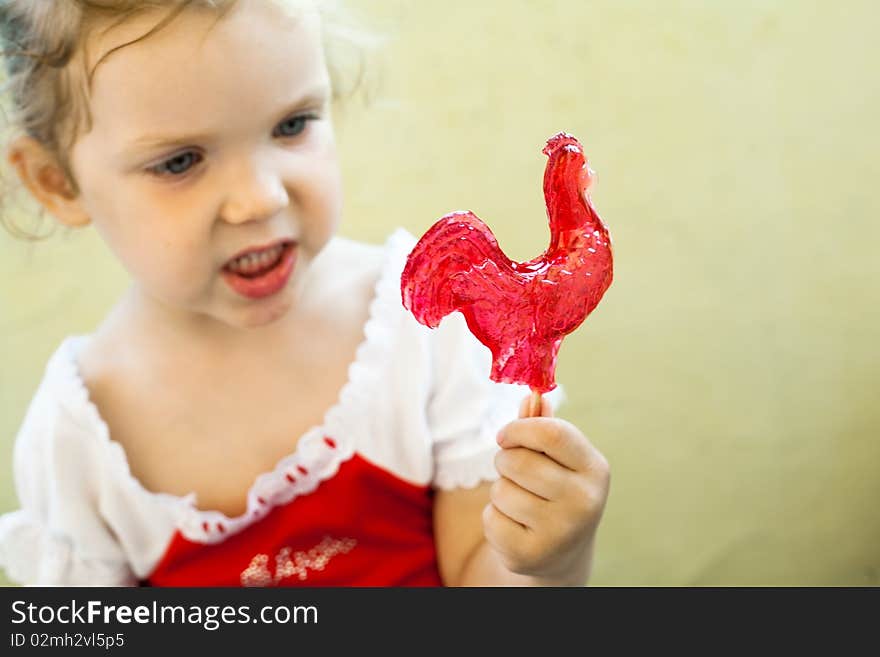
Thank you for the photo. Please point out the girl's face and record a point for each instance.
(211, 139)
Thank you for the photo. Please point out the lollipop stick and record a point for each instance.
(535, 404)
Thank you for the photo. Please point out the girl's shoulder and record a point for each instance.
(349, 275)
(346, 262)
(61, 403)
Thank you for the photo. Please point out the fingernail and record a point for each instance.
(500, 437)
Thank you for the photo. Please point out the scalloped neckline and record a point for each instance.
(368, 350)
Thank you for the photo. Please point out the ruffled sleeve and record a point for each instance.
(32, 554)
(58, 537)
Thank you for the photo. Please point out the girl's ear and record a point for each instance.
(42, 174)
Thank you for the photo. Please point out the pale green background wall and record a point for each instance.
(731, 374)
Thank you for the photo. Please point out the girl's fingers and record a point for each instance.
(558, 439)
(533, 471)
(517, 503)
(502, 531)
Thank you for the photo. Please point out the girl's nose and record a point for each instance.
(254, 195)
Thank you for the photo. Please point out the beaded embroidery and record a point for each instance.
(290, 564)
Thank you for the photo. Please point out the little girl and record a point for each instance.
(258, 408)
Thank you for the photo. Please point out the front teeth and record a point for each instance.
(255, 262)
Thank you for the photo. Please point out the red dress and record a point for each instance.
(364, 527)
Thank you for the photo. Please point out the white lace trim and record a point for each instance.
(320, 450)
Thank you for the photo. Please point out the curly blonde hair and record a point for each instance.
(41, 94)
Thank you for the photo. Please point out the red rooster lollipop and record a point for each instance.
(520, 310)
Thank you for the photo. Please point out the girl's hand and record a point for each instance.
(547, 505)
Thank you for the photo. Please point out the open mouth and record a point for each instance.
(255, 265)
(262, 273)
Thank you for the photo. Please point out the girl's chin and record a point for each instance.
(259, 315)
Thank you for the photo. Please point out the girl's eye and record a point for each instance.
(177, 165)
(293, 126)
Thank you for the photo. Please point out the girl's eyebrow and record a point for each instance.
(315, 98)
